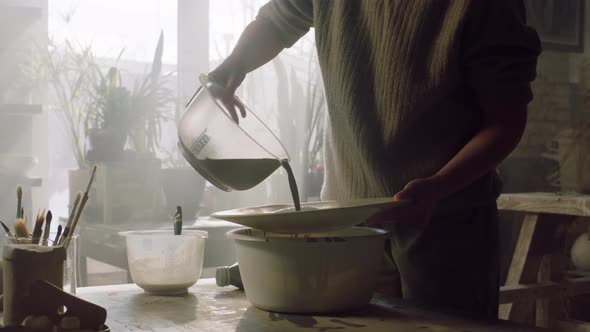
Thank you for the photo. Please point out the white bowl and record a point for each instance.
(315, 273)
(163, 263)
(314, 217)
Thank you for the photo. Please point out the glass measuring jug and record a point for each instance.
(230, 155)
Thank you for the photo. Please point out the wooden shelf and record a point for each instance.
(27, 181)
(21, 109)
(24, 3)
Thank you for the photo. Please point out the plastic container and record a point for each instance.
(165, 264)
(316, 273)
(230, 155)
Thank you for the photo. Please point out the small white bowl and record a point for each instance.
(163, 263)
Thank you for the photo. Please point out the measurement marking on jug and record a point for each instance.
(200, 142)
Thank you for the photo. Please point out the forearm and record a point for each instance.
(258, 44)
(493, 143)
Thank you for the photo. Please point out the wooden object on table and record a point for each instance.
(47, 299)
(210, 308)
(536, 279)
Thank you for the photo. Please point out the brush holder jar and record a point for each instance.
(23, 264)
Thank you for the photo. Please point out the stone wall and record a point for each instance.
(560, 102)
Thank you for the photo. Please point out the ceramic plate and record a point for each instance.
(315, 217)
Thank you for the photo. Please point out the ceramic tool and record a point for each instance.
(38, 228)
(178, 221)
(19, 201)
(47, 227)
(80, 209)
(66, 230)
(56, 240)
(20, 228)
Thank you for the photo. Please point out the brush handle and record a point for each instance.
(47, 228)
(178, 221)
(19, 202)
(38, 229)
(56, 240)
(72, 228)
(71, 217)
(76, 219)
(19, 208)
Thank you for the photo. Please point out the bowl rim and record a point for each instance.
(165, 233)
(370, 232)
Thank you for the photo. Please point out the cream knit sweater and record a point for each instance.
(404, 81)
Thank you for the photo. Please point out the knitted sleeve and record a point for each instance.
(500, 52)
(291, 18)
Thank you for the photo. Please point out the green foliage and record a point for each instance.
(137, 112)
(71, 72)
(92, 99)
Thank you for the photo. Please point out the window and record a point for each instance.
(90, 67)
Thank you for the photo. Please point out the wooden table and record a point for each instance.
(537, 277)
(214, 309)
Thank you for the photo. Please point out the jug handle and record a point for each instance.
(199, 90)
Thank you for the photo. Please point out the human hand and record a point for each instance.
(422, 195)
(230, 75)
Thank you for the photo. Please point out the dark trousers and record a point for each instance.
(450, 265)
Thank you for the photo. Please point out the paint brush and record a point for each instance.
(71, 216)
(80, 208)
(19, 201)
(6, 229)
(38, 228)
(20, 228)
(47, 227)
(178, 221)
(56, 239)
(9, 233)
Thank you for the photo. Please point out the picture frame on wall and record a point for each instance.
(559, 23)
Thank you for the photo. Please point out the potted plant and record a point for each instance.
(117, 114)
(110, 119)
(116, 125)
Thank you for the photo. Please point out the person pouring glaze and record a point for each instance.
(425, 99)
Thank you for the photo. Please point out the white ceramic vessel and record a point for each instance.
(163, 263)
(323, 216)
(314, 273)
(580, 252)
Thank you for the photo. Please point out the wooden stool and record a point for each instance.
(537, 277)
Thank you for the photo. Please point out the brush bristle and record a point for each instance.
(6, 229)
(19, 191)
(20, 228)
